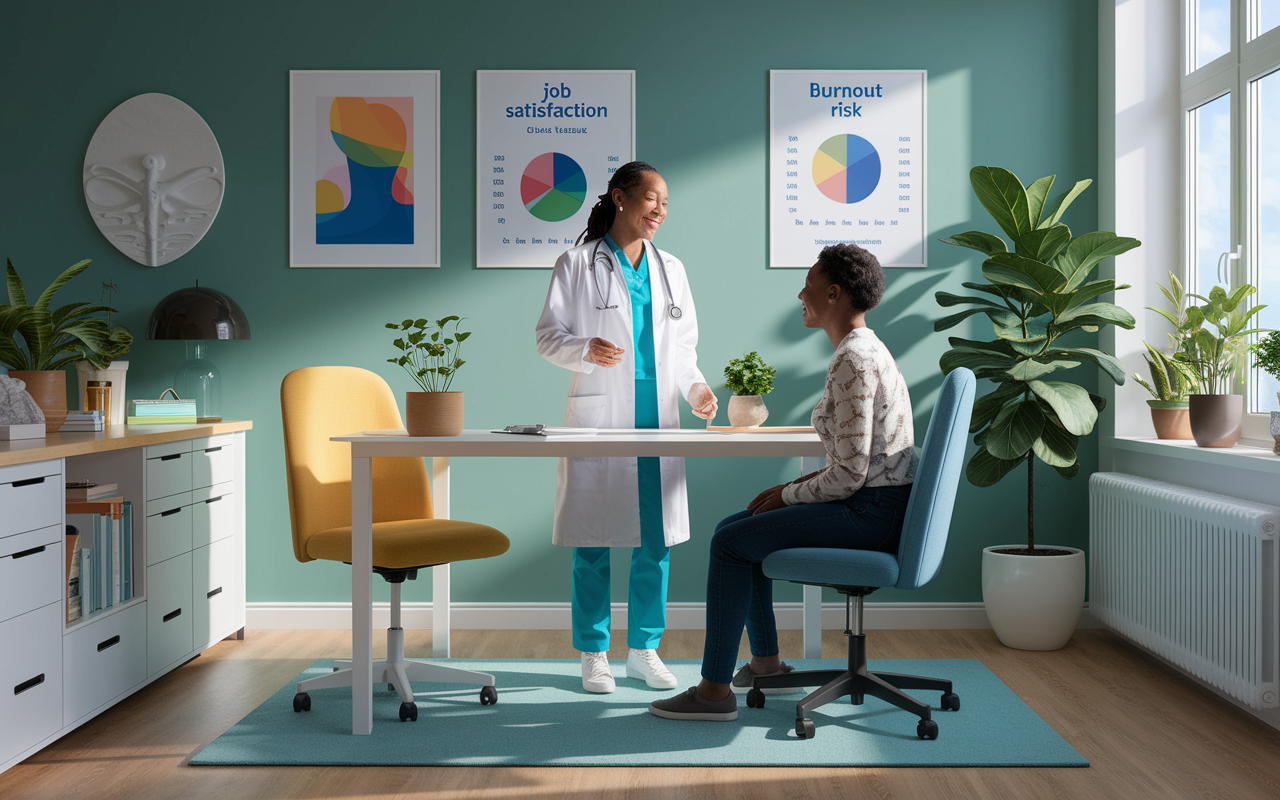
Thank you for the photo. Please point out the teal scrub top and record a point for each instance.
(641, 310)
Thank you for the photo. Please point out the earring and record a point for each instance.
(619, 208)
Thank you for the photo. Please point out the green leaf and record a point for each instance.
(435, 337)
(1070, 403)
(977, 240)
(1011, 269)
(973, 358)
(1108, 363)
(1029, 370)
(1098, 314)
(1037, 192)
(1056, 447)
(1003, 196)
(1064, 200)
(989, 405)
(947, 299)
(407, 324)
(998, 316)
(462, 337)
(997, 346)
(392, 326)
(1069, 472)
(985, 469)
(1082, 255)
(17, 295)
(1044, 244)
(1014, 430)
(70, 272)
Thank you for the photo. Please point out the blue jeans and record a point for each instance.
(738, 592)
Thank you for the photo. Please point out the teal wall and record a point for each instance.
(1011, 82)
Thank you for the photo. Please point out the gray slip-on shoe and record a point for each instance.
(743, 680)
(689, 705)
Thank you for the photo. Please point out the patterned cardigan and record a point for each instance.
(864, 420)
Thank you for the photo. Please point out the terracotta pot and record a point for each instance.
(1171, 419)
(433, 413)
(1033, 602)
(747, 411)
(48, 387)
(1216, 419)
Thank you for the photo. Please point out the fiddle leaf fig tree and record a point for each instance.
(1036, 295)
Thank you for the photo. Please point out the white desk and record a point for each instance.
(689, 443)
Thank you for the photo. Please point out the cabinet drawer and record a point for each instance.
(168, 612)
(213, 590)
(213, 514)
(168, 527)
(213, 464)
(168, 474)
(31, 496)
(104, 659)
(30, 679)
(30, 571)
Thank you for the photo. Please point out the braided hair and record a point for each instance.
(627, 177)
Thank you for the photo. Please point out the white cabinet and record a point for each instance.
(30, 679)
(104, 659)
(214, 586)
(168, 612)
(30, 571)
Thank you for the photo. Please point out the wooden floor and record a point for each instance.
(1147, 731)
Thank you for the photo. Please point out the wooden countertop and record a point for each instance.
(114, 437)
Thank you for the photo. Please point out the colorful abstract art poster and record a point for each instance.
(364, 169)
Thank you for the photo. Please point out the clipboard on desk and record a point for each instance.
(546, 430)
(758, 429)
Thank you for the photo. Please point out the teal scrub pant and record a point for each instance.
(647, 593)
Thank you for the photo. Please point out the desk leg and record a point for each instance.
(440, 574)
(361, 595)
(812, 619)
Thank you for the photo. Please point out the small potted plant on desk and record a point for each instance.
(53, 339)
(1216, 356)
(1037, 296)
(1266, 354)
(749, 378)
(430, 355)
(1172, 379)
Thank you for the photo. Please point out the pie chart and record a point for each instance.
(846, 168)
(553, 187)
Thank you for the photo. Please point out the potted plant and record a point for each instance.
(749, 378)
(53, 339)
(1215, 356)
(429, 353)
(1172, 379)
(1266, 355)
(1036, 296)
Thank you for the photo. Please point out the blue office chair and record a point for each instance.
(858, 573)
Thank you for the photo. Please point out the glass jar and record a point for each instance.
(97, 397)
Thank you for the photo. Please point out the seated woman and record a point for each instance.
(858, 500)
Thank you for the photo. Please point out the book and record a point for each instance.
(126, 553)
(83, 494)
(113, 545)
(86, 581)
(184, 420)
(160, 408)
(73, 574)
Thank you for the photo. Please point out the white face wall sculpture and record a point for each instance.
(153, 178)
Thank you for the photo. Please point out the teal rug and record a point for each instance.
(544, 718)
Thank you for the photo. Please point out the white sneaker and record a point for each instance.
(645, 665)
(596, 675)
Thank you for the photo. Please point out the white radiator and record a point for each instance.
(1191, 576)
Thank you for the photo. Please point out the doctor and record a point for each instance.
(620, 316)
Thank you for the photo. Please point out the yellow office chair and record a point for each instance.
(320, 402)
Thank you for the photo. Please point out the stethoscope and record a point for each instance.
(674, 311)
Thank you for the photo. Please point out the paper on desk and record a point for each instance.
(549, 430)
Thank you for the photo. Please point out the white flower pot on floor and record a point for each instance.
(1033, 602)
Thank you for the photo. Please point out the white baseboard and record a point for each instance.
(556, 616)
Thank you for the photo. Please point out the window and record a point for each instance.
(1231, 105)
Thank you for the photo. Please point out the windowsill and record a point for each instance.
(1250, 454)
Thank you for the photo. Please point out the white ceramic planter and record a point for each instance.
(747, 411)
(1033, 602)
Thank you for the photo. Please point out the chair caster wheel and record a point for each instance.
(488, 695)
(335, 669)
(804, 728)
(408, 712)
(755, 698)
(301, 702)
(927, 729)
(951, 702)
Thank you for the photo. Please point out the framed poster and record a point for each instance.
(546, 144)
(847, 164)
(364, 168)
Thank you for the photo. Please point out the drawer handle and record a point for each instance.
(213, 500)
(170, 512)
(31, 684)
(112, 642)
(172, 457)
(29, 482)
(213, 449)
(215, 591)
(172, 615)
(30, 552)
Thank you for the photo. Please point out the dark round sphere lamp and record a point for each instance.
(197, 315)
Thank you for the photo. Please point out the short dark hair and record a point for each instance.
(857, 272)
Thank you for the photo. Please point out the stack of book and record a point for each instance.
(100, 558)
(161, 412)
(82, 421)
(86, 491)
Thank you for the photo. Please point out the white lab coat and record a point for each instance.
(597, 499)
